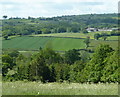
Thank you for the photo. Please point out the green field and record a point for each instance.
(57, 43)
(37, 88)
(113, 38)
(95, 43)
(34, 43)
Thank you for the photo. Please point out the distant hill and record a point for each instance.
(60, 24)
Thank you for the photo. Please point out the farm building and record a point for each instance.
(92, 29)
(103, 29)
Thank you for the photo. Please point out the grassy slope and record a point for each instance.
(113, 38)
(67, 43)
(58, 44)
(33, 43)
(95, 43)
(30, 43)
(37, 88)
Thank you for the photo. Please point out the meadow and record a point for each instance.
(58, 42)
(95, 43)
(37, 88)
(34, 43)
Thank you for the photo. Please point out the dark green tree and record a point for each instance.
(61, 30)
(6, 37)
(52, 73)
(38, 69)
(84, 31)
(14, 53)
(5, 16)
(75, 71)
(96, 64)
(7, 63)
(97, 36)
(87, 42)
(74, 29)
(62, 72)
(110, 72)
(50, 56)
(22, 66)
(45, 31)
(71, 56)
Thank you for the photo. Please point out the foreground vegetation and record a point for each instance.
(37, 88)
(49, 66)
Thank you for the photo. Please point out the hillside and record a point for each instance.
(34, 43)
(60, 24)
(59, 42)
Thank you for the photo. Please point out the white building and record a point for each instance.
(103, 29)
(92, 29)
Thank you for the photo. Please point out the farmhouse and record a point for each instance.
(114, 29)
(103, 29)
(92, 29)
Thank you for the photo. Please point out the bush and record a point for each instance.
(6, 37)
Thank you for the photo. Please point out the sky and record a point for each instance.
(51, 8)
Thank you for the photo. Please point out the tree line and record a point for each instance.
(105, 35)
(50, 66)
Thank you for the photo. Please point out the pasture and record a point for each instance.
(113, 38)
(34, 43)
(95, 43)
(37, 88)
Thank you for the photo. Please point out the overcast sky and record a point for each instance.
(50, 8)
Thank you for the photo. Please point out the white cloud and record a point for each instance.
(48, 8)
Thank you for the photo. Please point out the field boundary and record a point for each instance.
(58, 37)
(69, 37)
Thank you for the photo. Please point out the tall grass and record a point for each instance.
(37, 88)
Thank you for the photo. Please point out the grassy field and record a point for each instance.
(37, 88)
(95, 43)
(113, 38)
(58, 44)
(34, 43)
